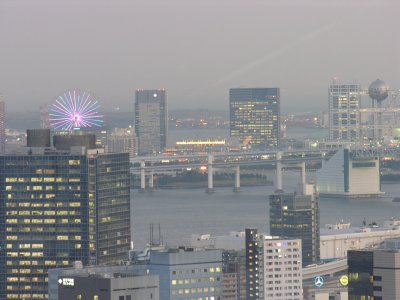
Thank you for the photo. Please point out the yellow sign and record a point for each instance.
(344, 280)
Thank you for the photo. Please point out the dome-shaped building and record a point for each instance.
(378, 90)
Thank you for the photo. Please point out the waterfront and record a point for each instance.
(184, 212)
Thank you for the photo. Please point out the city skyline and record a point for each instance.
(300, 49)
(172, 133)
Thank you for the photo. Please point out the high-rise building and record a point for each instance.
(374, 273)
(344, 112)
(296, 215)
(255, 116)
(151, 121)
(122, 140)
(59, 207)
(2, 126)
(273, 267)
(44, 116)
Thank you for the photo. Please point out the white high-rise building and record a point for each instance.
(274, 267)
(344, 112)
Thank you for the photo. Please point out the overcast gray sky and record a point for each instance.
(196, 49)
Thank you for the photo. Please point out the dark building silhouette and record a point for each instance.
(297, 216)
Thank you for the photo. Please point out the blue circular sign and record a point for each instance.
(319, 281)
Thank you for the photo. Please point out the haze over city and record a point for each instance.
(197, 50)
(199, 150)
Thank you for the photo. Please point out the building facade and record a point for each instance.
(2, 126)
(273, 267)
(121, 286)
(374, 273)
(349, 175)
(344, 112)
(60, 207)
(297, 216)
(122, 140)
(151, 121)
(255, 116)
(188, 274)
(234, 274)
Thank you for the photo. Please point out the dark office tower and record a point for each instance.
(255, 116)
(252, 268)
(296, 216)
(361, 270)
(38, 138)
(59, 207)
(151, 121)
(2, 126)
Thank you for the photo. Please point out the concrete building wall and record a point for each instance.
(138, 287)
(330, 178)
(337, 245)
(366, 179)
(387, 274)
(343, 176)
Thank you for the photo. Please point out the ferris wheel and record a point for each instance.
(74, 110)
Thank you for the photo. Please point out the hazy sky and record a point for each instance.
(196, 49)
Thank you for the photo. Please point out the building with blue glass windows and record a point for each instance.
(59, 207)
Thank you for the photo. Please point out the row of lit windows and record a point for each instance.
(26, 246)
(194, 280)
(44, 204)
(25, 296)
(40, 179)
(26, 271)
(43, 221)
(195, 290)
(37, 263)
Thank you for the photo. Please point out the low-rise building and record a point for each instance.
(121, 286)
(187, 273)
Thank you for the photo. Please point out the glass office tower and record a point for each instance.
(255, 116)
(297, 216)
(151, 121)
(59, 207)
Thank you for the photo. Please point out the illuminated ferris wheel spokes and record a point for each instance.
(75, 110)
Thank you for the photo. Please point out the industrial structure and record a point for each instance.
(347, 175)
(356, 119)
